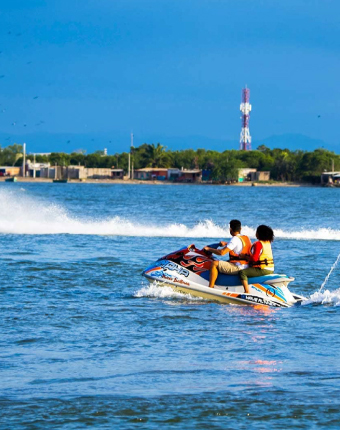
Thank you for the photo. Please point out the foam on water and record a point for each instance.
(155, 291)
(23, 214)
(324, 298)
(163, 292)
(304, 234)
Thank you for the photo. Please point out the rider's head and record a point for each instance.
(235, 226)
(265, 233)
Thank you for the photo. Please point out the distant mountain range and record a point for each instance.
(66, 142)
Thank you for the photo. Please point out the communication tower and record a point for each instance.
(245, 108)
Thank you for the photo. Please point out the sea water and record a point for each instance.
(87, 342)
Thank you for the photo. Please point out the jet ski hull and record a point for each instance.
(187, 271)
(222, 296)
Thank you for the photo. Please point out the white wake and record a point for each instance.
(155, 291)
(23, 214)
(324, 298)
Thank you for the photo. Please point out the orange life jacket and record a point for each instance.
(266, 260)
(234, 258)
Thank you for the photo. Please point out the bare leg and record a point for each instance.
(245, 285)
(213, 274)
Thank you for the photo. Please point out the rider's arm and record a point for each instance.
(222, 251)
(255, 252)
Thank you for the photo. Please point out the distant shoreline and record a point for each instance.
(137, 182)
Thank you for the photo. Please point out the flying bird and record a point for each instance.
(34, 98)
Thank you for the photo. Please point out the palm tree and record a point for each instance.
(157, 156)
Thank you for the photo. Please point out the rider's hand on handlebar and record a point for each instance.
(207, 251)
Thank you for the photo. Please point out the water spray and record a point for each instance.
(329, 274)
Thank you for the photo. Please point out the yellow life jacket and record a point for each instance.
(246, 246)
(266, 260)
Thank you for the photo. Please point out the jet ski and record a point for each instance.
(187, 271)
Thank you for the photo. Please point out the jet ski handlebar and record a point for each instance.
(213, 245)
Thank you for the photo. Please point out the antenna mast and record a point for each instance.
(245, 108)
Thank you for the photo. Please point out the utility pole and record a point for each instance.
(34, 166)
(129, 166)
(24, 160)
(130, 151)
(333, 165)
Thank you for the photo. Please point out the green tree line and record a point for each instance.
(284, 165)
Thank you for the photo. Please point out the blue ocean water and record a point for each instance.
(85, 341)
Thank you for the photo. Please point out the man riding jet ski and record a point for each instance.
(187, 270)
(259, 256)
(238, 245)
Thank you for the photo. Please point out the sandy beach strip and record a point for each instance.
(138, 182)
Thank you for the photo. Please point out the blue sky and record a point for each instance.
(171, 71)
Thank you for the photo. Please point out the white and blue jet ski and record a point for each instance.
(187, 271)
